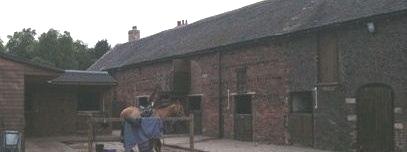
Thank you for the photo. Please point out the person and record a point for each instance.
(140, 128)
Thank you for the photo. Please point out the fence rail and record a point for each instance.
(92, 130)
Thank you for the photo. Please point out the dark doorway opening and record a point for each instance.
(375, 118)
(143, 101)
(194, 107)
(243, 118)
(88, 101)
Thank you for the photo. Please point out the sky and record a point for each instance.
(93, 20)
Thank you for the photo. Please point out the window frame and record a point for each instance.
(303, 95)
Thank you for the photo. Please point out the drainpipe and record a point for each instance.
(220, 95)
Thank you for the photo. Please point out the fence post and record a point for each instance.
(90, 135)
(191, 132)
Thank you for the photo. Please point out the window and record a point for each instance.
(241, 78)
(88, 101)
(143, 101)
(195, 103)
(301, 102)
(243, 104)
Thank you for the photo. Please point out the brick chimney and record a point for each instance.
(134, 34)
(182, 23)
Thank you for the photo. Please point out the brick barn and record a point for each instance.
(323, 73)
(39, 100)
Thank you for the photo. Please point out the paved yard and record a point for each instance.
(56, 145)
(78, 144)
(226, 145)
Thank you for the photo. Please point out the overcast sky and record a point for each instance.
(93, 20)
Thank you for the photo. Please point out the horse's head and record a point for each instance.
(130, 112)
(169, 108)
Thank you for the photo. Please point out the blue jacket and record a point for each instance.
(137, 131)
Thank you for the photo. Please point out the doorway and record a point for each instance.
(375, 118)
(194, 107)
(243, 118)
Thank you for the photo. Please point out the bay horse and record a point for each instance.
(162, 108)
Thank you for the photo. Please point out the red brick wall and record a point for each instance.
(267, 79)
(267, 76)
(204, 81)
(140, 81)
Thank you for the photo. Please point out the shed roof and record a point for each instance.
(77, 77)
(264, 19)
(28, 62)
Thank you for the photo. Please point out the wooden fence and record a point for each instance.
(92, 133)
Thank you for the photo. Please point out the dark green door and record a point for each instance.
(375, 119)
(243, 128)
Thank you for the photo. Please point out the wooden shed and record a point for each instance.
(39, 100)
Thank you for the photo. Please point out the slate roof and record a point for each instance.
(78, 77)
(264, 19)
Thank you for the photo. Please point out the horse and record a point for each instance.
(161, 108)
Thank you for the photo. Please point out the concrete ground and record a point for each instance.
(227, 145)
(174, 144)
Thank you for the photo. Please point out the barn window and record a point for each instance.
(243, 104)
(88, 101)
(241, 78)
(143, 101)
(301, 102)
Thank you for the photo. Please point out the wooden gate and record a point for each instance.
(375, 119)
(243, 118)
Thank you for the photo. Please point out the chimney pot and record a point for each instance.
(134, 34)
(178, 23)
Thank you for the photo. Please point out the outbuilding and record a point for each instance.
(39, 100)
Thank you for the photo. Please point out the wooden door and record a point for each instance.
(300, 120)
(243, 128)
(300, 126)
(375, 119)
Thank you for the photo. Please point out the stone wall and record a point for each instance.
(379, 57)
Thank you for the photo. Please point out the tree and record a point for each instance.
(66, 52)
(22, 43)
(101, 48)
(47, 47)
(2, 49)
(54, 48)
(83, 55)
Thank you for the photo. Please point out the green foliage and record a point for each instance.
(2, 49)
(54, 48)
(101, 48)
(83, 55)
(22, 43)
